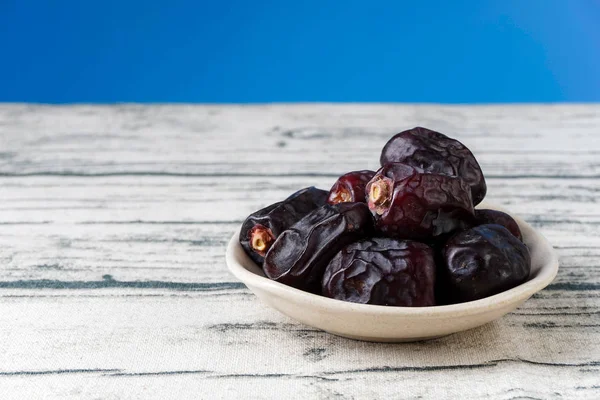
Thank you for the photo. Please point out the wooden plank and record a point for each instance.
(180, 199)
(283, 140)
(102, 340)
(178, 253)
(499, 380)
(174, 229)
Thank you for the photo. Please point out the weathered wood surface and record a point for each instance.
(113, 222)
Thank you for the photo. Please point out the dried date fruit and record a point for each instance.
(437, 153)
(411, 204)
(382, 271)
(350, 187)
(261, 228)
(498, 217)
(300, 254)
(483, 261)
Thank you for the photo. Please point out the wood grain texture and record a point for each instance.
(114, 219)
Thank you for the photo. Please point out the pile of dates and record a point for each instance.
(405, 235)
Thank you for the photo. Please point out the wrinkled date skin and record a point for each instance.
(498, 217)
(483, 261)
(300, 254)
(437, 153)
(408, 203)
(261, 228)
(350, 187)
(382, 271)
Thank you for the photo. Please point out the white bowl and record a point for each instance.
(395, 324)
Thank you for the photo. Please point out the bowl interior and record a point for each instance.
(543, 270)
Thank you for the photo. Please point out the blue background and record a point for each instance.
(287, 51)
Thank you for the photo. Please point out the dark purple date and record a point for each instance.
(437, 153)
(261, 228)
(498, 217)
(410, 204)
(483, 261)
(382, 271)
(350, 187)
(300, 254)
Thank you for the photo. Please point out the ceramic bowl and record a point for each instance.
(395, 324)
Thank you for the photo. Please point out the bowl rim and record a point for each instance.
(522, 292)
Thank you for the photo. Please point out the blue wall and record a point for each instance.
(269, 51)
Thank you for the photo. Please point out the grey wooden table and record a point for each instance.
(113, 222)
